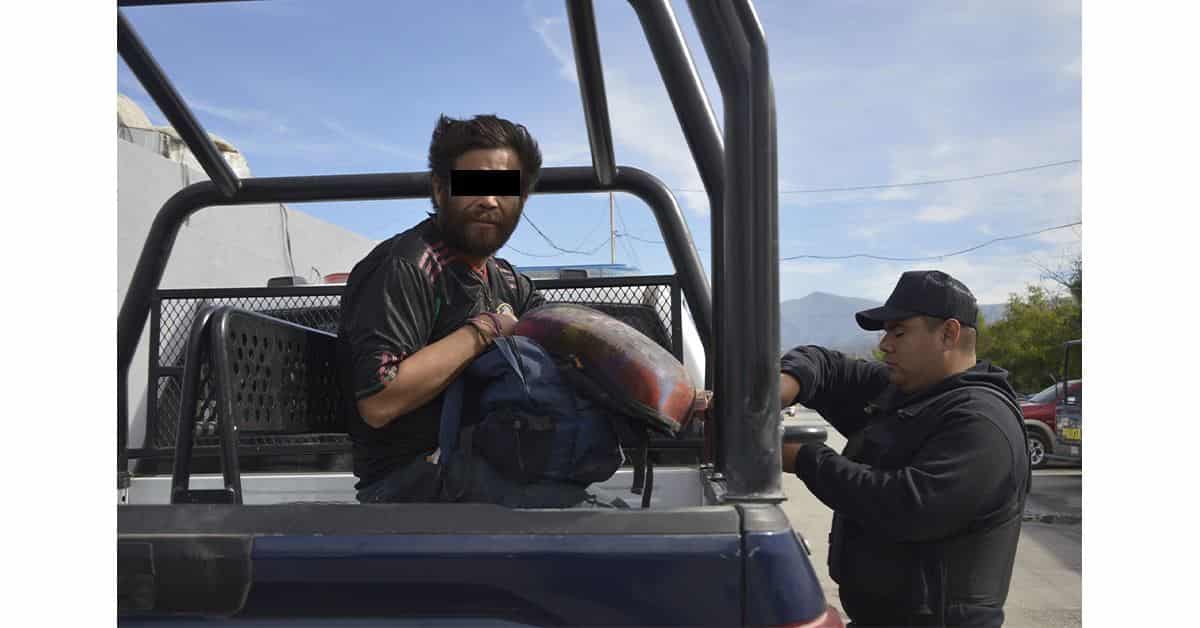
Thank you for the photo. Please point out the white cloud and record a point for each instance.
(895, 194)
(369, 143)
(867, 231)
(936, 213)
(992, 280)
(643, 121)
(559, 153)
(548, 28)
(242, 116)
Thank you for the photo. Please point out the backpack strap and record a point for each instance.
(508, 348)
(452, 403)
(452, 400)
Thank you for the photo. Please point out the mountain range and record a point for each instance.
(828, 320)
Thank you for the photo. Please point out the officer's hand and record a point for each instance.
(789, 389)
(788, 453)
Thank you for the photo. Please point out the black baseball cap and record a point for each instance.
(923, 292)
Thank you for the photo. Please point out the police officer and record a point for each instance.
(929, 491)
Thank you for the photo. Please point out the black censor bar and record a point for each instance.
(485, 182)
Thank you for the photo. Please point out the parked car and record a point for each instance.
(1039, 411)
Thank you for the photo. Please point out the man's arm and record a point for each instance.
(939, 492)
(835, 385)
(423, 376)
(395, 368)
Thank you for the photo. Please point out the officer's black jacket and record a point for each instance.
(928, 494)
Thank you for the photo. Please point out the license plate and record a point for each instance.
(1071, 433)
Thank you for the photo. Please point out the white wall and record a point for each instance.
(218, 247)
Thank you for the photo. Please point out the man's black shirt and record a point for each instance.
(409, 292)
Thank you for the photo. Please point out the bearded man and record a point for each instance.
(423, 304)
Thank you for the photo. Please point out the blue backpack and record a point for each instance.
(527, 421)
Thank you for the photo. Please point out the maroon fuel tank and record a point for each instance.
(633, 370)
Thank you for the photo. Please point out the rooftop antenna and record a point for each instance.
(612, 232)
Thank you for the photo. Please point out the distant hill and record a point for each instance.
(828, 320)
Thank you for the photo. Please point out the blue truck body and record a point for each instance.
(411, 563)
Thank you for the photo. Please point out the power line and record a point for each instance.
(636, 260)
(976, 247)
(933, 257)
(592, 251)
(554, 245)
(516, 250)
(858, 188)
(622, 234)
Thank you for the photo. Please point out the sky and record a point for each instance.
(867, 94)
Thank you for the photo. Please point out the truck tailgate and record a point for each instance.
(469, 561)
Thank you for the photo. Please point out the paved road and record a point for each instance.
(1045, 589)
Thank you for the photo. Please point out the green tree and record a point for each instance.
(1028, 342)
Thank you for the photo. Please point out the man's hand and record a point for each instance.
(495, 324)
(789, 388)
(788, 453)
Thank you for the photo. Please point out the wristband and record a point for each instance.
(495, 320)
(485, 335)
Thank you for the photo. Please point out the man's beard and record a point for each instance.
(454, 225)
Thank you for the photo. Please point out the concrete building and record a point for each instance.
(239, 246)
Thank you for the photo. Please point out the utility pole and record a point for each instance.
(612, 232)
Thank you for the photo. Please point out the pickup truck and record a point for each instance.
(238, 507)
(1041, 424)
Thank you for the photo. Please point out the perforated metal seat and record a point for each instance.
(261, 385)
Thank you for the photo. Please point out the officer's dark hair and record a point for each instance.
(453, 137)
(969, 334)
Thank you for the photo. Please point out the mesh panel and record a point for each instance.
(657, 296)
(168, 406)
(315, 311)
(177, 310)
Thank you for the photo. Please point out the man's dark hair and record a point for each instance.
(453, 137)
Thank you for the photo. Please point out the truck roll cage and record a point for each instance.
(737, 167)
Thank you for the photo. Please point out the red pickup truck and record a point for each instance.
(1039, 411)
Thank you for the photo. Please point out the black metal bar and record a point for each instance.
(227, 419)
(148, 3)
(605, 282)
(163, 230)
(762, 478)
(687, 93)
(153, 370)
(337, 289)
(240, 293)
(746, 373)
(582, 17)
(185, 434)
(699, 125)
(677, 323)
(172, 106)
(718, 48)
